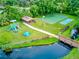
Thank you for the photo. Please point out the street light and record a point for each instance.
(42, 20)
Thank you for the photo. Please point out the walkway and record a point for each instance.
(61, 38)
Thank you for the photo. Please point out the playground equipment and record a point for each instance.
(26, 34)
(14, 27)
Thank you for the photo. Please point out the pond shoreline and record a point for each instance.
(55, 51)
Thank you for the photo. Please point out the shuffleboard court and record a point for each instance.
(51, 19)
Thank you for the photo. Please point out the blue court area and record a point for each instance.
(66, 21)
(51, 19)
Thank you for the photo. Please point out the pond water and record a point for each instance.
(55, 51)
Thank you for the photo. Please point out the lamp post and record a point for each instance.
(42, 20)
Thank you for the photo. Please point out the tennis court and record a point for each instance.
(51, 19)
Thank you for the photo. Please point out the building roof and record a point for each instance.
(13, 21)
(26, 18)
(1, 11)
(1, 6)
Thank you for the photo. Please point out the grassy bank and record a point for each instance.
(74, 54)
(41, 42)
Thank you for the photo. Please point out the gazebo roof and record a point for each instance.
(26, 18)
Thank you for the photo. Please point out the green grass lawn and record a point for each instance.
(10, 38)
(74, 54)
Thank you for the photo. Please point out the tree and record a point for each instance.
(12, 13)
(34, 10)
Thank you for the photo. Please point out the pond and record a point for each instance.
(55, 51)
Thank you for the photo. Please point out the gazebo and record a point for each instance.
(28, 19)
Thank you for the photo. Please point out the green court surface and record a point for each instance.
(51, 19)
